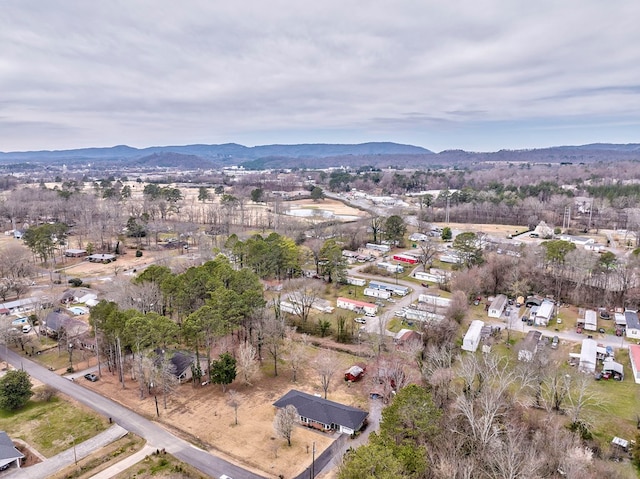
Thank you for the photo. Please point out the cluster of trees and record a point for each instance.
(556, 268)
(500, 420)
(161, 309)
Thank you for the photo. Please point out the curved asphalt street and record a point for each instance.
(160, 438)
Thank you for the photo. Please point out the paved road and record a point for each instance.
(154, 434)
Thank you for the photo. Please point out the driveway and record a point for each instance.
(154, 434)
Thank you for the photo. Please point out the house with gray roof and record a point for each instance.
(8, 452)
(323, 414)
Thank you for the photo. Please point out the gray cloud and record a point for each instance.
(428, 73)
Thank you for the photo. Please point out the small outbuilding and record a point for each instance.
(354, 373)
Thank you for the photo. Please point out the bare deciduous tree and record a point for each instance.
(247, 362)
(234, 400)
(295, 351)
(284, 422)
(303, 295)
(326, 364)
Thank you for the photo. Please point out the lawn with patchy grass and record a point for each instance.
(102, 459)
(53, 426)
(162, 466)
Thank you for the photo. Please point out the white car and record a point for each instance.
(26, 328)
(400, 314)
(360, 320)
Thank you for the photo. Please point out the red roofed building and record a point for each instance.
(357, 306)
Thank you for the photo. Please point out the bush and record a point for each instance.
(75, 282)
(46, 393)
(138, 253)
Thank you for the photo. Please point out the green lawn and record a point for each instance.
(51, 427)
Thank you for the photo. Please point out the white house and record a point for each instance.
(633, 324)
(497, 306)
(356, 281)
(590, 320)
(471, 340)
(355, 305)
(588, 356)
(434, 300)
(544, 313)
(634, 356)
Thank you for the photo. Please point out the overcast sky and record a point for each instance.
(477, 75)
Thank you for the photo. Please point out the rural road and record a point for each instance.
(160, 438)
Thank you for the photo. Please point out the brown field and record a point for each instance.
(203, 416)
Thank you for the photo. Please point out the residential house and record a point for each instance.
(471, 339)
(8, 452)
(529, 346)
(497, 306)
(323, 414)
(544, 313)
(633, 324)
(101, 258)
(590, 320)
(588, 356)
(56, 321)
(407, 336)
(181, 363)
(357, 306)
(75, 253)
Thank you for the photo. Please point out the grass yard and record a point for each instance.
(102, 459)
(162, 466)
(51, 427)
(618, 406)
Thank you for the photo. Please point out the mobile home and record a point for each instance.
(377, 293)
(405, 258)
(355, 305)
(471, 340)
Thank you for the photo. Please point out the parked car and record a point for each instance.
(601, 331)
(400, 314)
(424, 285)
(391, 300)
(579, 330)
(360, 320)
(91, 377)
(476, 301)
(554, 342)
(26, 328)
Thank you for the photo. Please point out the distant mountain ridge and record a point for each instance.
(315, 155)
(228, 150)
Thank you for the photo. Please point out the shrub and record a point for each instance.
(75, 282)
(138, 253)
